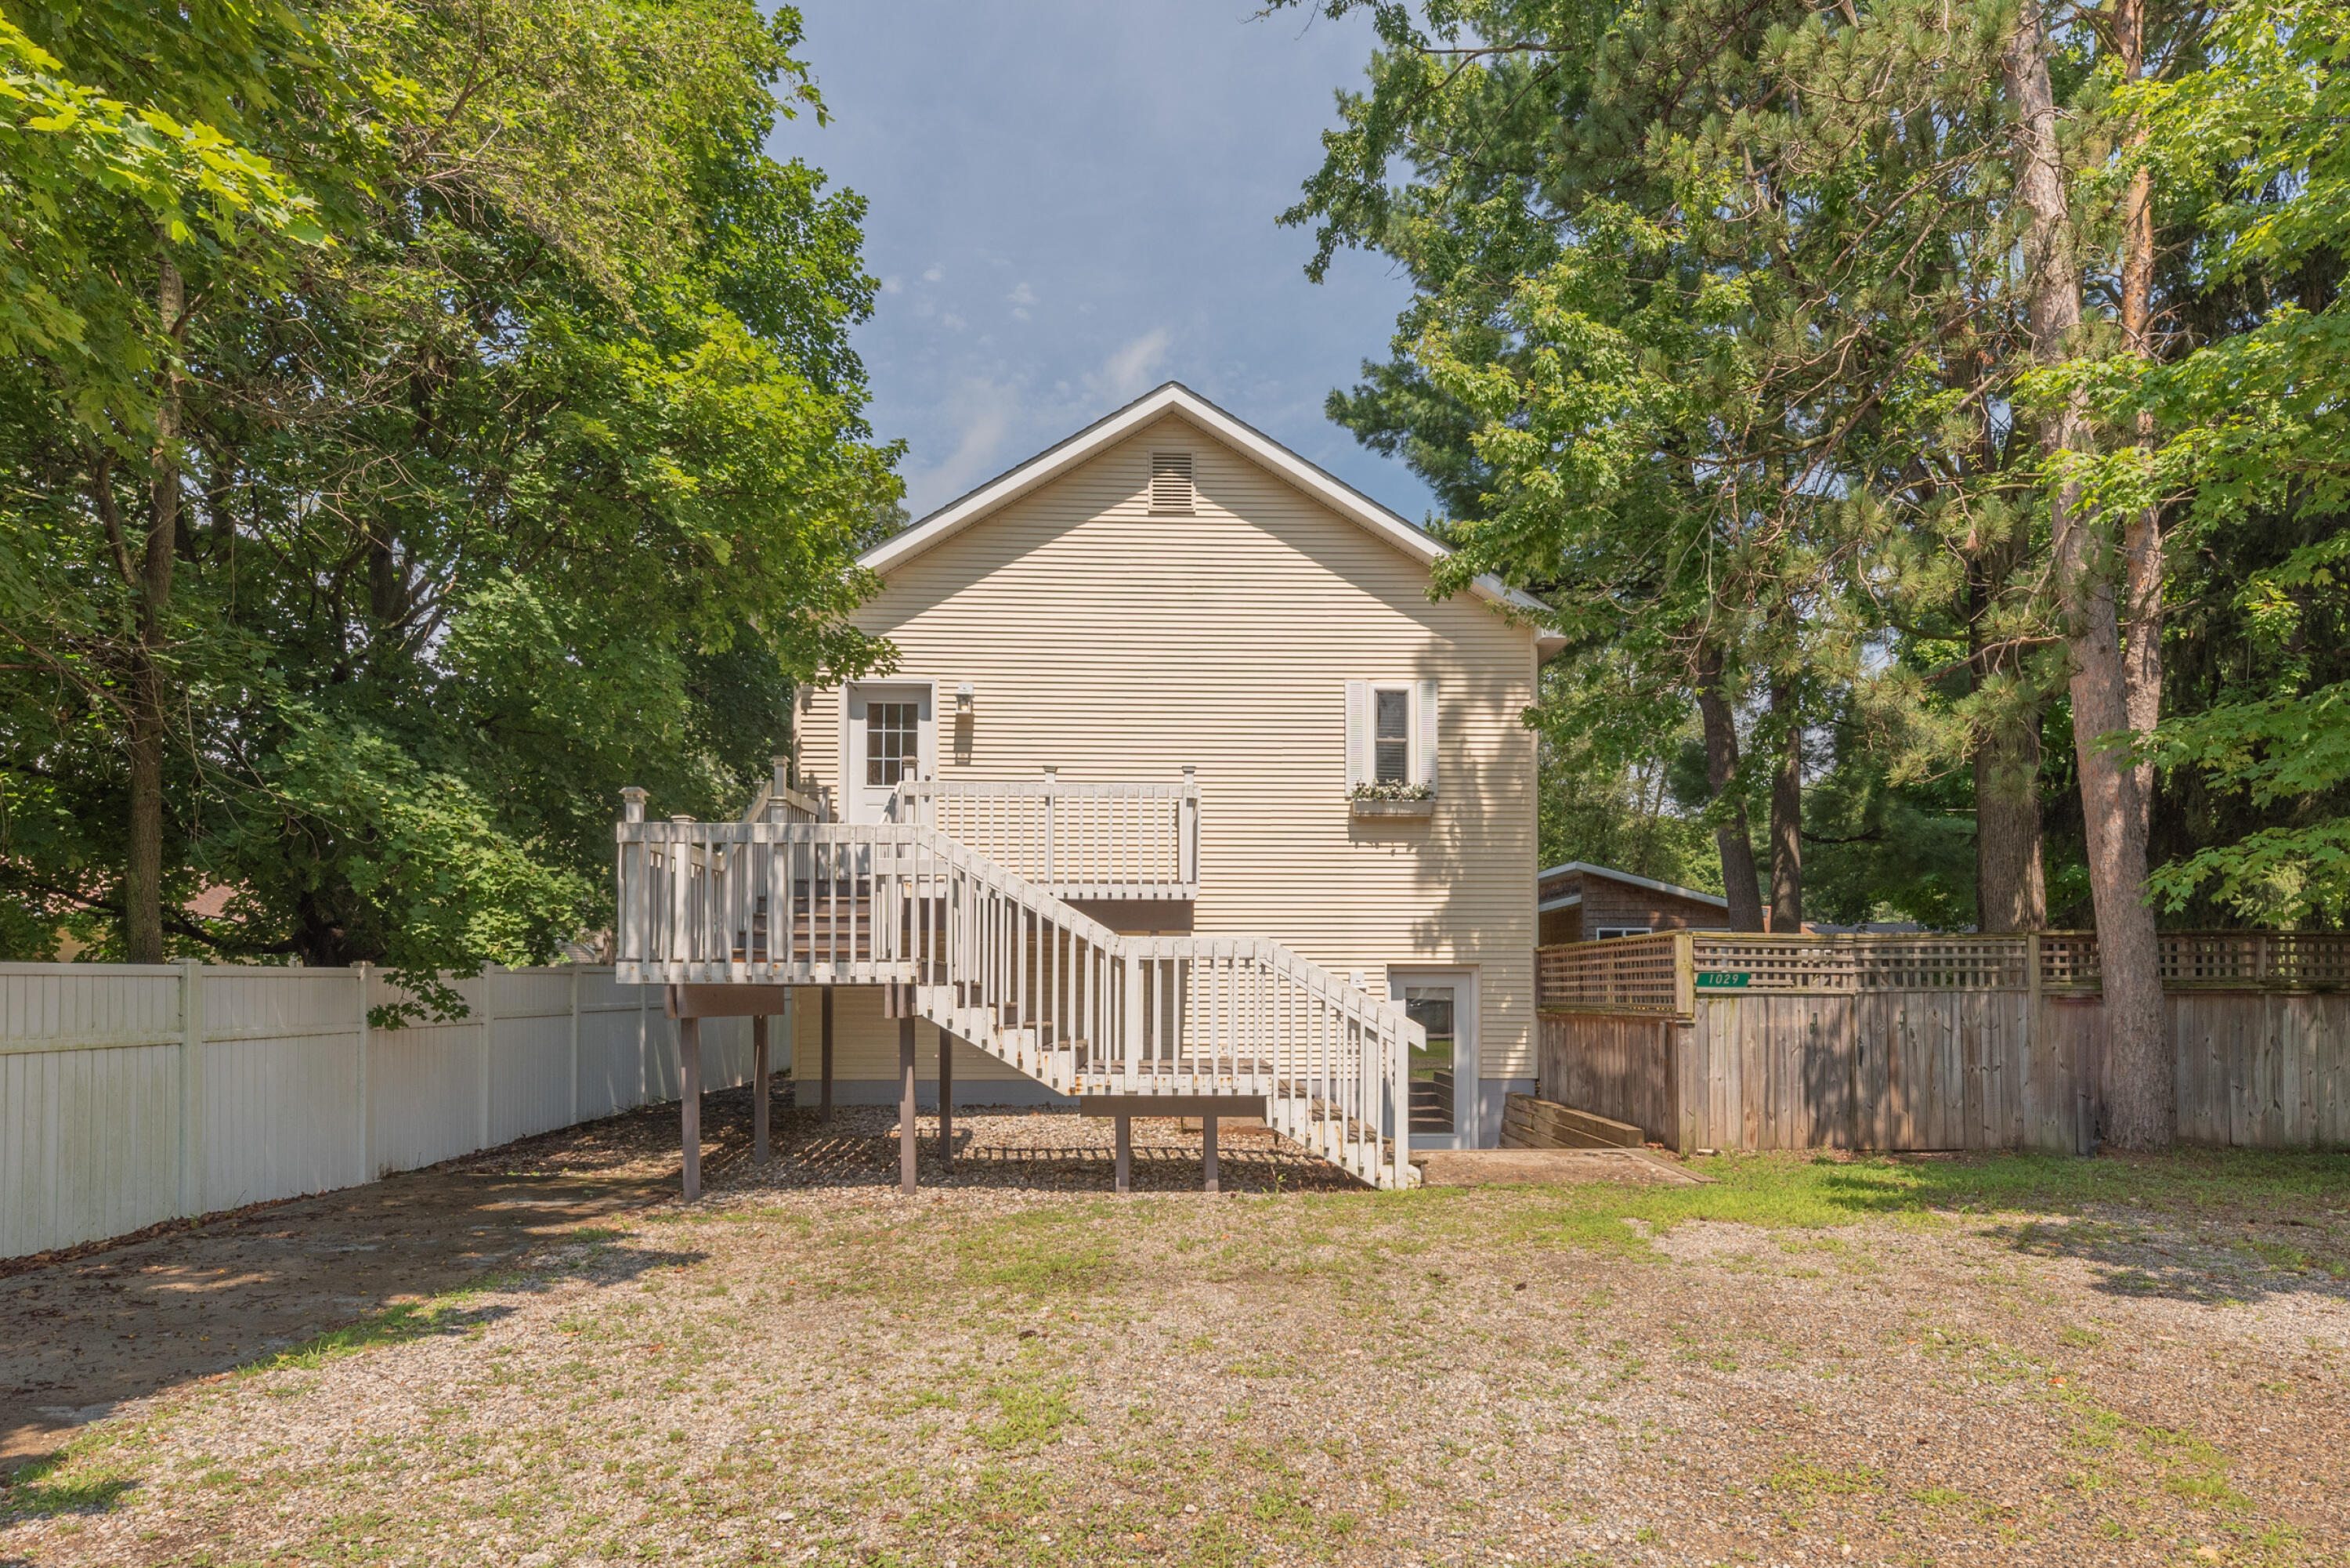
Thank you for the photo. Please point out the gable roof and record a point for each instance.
(1588, 869)
(1176, 397)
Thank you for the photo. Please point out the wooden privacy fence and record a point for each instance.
(1720, 1040)
(133, 1094)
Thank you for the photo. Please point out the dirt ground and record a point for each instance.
(124, 1322)
(1831, 1361)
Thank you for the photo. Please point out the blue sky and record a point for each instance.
(1071, 202)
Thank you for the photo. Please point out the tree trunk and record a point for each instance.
(1787, 813)
(1733, 837)
(2011, 887)
(142, 878)
(2142, 538)
(2141, 1084)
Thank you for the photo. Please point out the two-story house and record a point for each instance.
(1169, 693)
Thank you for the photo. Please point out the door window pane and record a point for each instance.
(1430, 1007)
(1391, 738)
(892, 741)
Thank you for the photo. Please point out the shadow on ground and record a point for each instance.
(1038, 1150)
(89, 1330)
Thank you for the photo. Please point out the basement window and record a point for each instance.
(1170, 483)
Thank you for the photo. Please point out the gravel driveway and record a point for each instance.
(1805, 1362)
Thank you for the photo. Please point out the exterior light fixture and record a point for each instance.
(963, 698)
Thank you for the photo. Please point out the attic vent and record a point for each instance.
(1170, 481)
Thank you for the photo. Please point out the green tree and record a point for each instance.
(2252, 438)
(545, 476)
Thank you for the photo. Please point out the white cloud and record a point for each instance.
(891, 286)
(934, 275)
(951, 322)
(983, 417)
(1022, 295)
(1128, 373)
(1019, 314)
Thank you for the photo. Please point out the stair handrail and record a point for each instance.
(923, 858)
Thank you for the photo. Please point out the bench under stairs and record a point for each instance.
(778, 899)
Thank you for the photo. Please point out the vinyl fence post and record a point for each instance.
(362, 1070)
(192, 1087)
(574, 1046)
(489, 1018)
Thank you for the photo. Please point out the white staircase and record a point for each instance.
(999, 962)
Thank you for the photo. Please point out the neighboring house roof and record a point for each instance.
(1588, 869)
(1176, 397)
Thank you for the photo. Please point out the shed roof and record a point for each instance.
(1653, 885)
(1175, 398)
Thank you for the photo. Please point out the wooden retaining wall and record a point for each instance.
(1999, 1056)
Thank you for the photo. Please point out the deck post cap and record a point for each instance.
(632, 804)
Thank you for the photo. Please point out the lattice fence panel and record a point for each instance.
(2212, 961)
(1625, 972)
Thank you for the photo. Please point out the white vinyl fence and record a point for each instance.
(133, 1094)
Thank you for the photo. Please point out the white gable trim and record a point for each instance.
(1176, 397)
(1613, 875)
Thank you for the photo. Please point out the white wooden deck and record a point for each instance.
(993, 957)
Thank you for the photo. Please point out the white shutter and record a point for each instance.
(1358, 733)
(1426, 718)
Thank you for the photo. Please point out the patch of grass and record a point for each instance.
(1029, 1416)
(1043, 1253)
(33, 1492)
(2081, 1338)
(2206, 1487)
(393, 1326)
(1807, 1482)
(2278, 1255)
(1821, 1192)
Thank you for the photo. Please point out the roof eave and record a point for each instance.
(1650, 883)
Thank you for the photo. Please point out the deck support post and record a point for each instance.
(906, 1106)
(1124, 1126)
(1207, 1152)
(689, 1072)
(946, 1098)
(759, 1090)
(824, 1101)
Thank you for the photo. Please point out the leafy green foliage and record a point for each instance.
(545, 476)
(2258, 448)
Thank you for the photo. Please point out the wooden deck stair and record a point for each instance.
(999, 962)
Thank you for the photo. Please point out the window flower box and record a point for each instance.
(1392, 800)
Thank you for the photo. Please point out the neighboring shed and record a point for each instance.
(1580, 902)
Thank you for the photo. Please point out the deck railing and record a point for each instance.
(1002, 962)
(1080, 838)
(1666, 972)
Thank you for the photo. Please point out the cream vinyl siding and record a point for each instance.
(1118, 644)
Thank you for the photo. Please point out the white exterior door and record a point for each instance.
(1444, 1075)
(892, 740)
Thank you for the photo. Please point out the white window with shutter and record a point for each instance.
(1391, 738)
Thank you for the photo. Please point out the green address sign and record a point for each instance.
(1724, 979)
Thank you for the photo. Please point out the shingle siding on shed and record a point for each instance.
(1117, 644)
